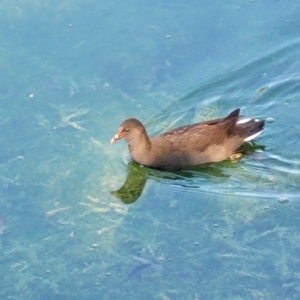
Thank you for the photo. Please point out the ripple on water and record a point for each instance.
(268, 87)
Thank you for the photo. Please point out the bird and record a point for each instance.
(189, 145)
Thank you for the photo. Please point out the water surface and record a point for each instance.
(71, 72)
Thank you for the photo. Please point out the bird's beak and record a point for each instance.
(117, 136)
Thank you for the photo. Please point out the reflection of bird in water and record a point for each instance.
(144, 264)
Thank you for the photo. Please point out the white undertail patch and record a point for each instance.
(243, 121)
(253, 136)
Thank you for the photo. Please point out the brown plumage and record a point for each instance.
(189, 145)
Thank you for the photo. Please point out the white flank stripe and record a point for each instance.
(253, 136)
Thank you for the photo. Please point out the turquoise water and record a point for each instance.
(71, 72)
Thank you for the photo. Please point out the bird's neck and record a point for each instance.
(139, 147)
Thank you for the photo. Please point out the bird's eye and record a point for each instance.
(126, 129)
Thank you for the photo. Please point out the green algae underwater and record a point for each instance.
(71, 71)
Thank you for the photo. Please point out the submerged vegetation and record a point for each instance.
(225, 231)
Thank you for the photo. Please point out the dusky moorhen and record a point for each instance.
(189, 145)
